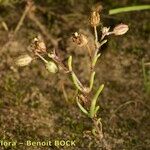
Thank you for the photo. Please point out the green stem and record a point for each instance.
(128, 9)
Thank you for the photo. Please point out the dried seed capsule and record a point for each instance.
(23, 60)
(120, 29)
(38, 46)
(79, 39)
(94, 19)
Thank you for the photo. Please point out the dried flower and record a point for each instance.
(38, 46)
(120, 29)
(23, 60)
(79, 39)
(105, 30)
(97, 7)
(94, 19)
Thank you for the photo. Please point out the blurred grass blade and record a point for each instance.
(94, 100)
(144, 72)
(128, 9)
(82, 108)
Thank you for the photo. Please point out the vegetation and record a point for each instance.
(93, 92)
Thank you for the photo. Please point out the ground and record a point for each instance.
(32, 104)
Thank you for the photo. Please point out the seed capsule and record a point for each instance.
(120, 29)
(79, 39)
(94, 19)
(38, 45)
(51, 67)
(23, 60)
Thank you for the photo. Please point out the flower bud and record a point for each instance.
(51, 67)
(79, 39)
(105, 30)
(94, 19)
(23, 60)
(120, 29)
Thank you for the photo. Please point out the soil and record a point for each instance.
(32, 104)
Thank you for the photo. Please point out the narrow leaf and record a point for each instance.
(70, 63)
(82, 108)
(95, 60)
(94, 100)
(96, 109)
(76, 81)
(92, 80)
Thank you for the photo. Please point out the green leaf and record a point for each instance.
(77, 83)
(95, 60)
(96, 109)
(94, 100)
(70, 63)
(82, 108)
(92, 80)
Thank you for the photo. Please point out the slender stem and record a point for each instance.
(42, 58)
(60, 63)
(64, 92)
(90, 56)
(89, 51)
(22, 18)
(96, 36)
(96, 41)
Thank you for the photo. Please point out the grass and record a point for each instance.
(128, 9)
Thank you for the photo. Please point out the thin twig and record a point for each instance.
(41, 57)
(96, 36)
(64, 92)
(124, 104)
(43, 29)
(27, 9)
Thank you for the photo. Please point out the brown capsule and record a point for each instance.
(94, 19)
(120, 29)
(79, 39)
(38, 46)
